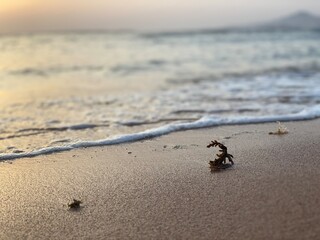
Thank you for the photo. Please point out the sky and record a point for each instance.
(145, 15)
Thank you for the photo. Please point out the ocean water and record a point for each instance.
(67, 90)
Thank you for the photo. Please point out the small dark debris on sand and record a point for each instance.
(75, 204)
(129, 152)
(179, 147)
(18, 151)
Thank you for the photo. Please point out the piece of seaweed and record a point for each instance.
(220, 162)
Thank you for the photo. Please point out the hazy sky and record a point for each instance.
(143, 14)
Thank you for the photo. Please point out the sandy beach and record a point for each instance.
(162, 188)
(123, 120)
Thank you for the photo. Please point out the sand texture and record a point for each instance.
(163, 188)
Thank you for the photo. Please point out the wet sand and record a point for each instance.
(162, 188)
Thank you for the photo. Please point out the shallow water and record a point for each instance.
(60, 91)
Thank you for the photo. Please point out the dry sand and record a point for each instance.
(164, 189)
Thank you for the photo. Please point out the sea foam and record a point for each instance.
(206, 121)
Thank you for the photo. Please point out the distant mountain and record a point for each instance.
(300, 20)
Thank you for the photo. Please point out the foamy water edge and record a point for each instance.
(204, 122)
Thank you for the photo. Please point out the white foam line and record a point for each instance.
(307, 114)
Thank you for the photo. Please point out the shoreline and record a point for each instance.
(162, 188)
(309, 114)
